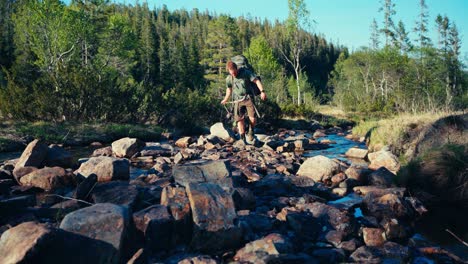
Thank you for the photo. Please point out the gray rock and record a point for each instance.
(32, 242)
(106, 222)
(319, 168)
(126, 147)
(384, 158)
(47, 178)
(105, 168)
(218, 172)
(117, 192)
(220, 131)
(357, 153)
(105, 151)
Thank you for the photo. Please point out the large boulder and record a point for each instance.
(220, 131)
(319, 168)
(58, 156)
(105, 168)
(218, 172)
(32, 242)
(106, 222)
(126, 147)
(47, 178)
(384, 158)
(213, 214)
(32, 156)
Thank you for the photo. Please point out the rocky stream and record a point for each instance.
(313, 196)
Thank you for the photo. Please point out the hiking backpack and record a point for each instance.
(242, 62)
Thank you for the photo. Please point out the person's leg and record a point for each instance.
(252, 119)
(240, 118)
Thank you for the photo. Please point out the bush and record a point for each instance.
(442, 172)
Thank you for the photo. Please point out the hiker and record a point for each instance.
(238, 84)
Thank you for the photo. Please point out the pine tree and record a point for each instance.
(421, 27)
(374, 36)
(388, 8)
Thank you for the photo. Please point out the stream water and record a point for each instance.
(432, 226)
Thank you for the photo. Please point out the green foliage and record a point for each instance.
(97, 61)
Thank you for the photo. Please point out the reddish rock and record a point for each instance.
(183, 142)
(213, 214)
(32, 156)
(373, 237)
(272, 244)
(156, 224)
(32, 242)
(47, 178)
(176, 200)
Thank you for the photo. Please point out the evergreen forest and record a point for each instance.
(98, 61)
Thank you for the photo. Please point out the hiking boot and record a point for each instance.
(251, 135)
(242, 137)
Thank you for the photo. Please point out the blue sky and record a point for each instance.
(346, 22)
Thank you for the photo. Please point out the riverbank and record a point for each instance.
(14, 136)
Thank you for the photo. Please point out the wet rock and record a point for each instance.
(220, 131)
(319, 168)
(381, 177)
(32, 156)
(373, 237)
(126, 147)
(256, 251)
(106, 151)
(156, 224)
(384, 158)
(47, 178)
(32, 242)
(319, 134)
(105, 168)
(213, 215)
(106, 222)
(58, 156)
(218, 172)
(357, 153)
(176, 199)
(117, 192)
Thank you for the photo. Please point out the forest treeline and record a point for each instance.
(93, 60)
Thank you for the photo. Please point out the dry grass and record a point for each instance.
(392, 131)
